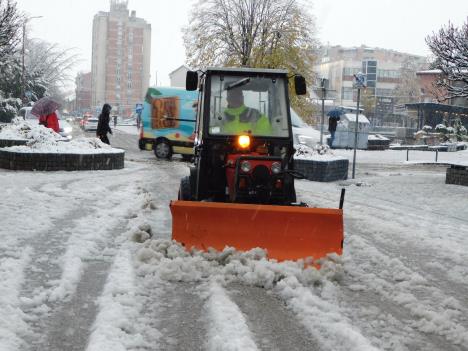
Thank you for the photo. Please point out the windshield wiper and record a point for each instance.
(239, 83)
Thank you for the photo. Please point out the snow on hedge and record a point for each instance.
(317, 153)
(44, 140)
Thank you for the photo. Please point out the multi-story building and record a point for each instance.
(120, 58)
(83, 92)
(382, 69)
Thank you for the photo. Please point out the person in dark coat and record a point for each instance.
(332, 122)
(103, 125)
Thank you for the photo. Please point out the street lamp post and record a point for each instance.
(23, 76)
(359, 83)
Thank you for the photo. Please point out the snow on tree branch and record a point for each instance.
(450, 48)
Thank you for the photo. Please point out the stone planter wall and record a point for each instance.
(60, 162)
(9, 142)
(322, 171)
(457, 175)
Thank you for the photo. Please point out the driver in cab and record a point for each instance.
(239, 118)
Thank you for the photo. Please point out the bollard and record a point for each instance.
(437, 154)
(407, 154)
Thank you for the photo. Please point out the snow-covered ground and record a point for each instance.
(400, 284)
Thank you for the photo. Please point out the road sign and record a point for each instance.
(359, 80)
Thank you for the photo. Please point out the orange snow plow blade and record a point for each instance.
(286, 232)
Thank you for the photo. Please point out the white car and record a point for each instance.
(65, 128)
(303, 133)
(90, 124)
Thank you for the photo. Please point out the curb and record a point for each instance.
(21, 161)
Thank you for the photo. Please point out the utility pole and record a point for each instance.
(359, 83)
(323, 83)
(23, 75)
(23, 81)
(322, 91)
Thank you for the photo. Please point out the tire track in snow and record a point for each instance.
(178, 315)
(65, 325)
(228, 329)
(274, 327)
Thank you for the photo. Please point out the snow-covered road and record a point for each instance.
(78, 272)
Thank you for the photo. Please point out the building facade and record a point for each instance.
(381, 67)
(83, 100)
(120, 58)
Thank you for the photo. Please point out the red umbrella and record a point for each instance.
(44, 107)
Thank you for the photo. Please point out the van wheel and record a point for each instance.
(162, 149)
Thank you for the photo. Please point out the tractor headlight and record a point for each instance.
(244, 141)
(246, 166)
(276, 168)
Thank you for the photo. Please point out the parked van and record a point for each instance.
(168, 122)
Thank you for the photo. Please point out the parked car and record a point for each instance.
(90, 124)
(303, 133)
(65, 128)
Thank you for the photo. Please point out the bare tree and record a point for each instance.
(11, 22)
(450, 48)
(408, 89)
(49, 64)
(253, 33)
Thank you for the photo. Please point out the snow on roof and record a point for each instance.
(352, 118)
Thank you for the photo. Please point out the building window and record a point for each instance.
(346, 93)
(350, 71)
(129, 85)
(384, 92)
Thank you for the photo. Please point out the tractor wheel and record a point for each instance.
(162, 149)
(185, 190)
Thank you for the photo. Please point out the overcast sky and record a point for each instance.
(400, 25)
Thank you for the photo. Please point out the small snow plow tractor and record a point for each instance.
(240, 191)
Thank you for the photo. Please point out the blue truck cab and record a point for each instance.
(168, 122)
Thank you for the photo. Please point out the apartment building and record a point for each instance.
(83, 92)
(120, 58)
(382, 69)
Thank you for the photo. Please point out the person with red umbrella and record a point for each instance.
(45, 109)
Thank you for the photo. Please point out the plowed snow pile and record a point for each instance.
(44, 140)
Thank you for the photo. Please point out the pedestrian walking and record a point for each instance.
(333, 118)
(115, 121)
(103, 124)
